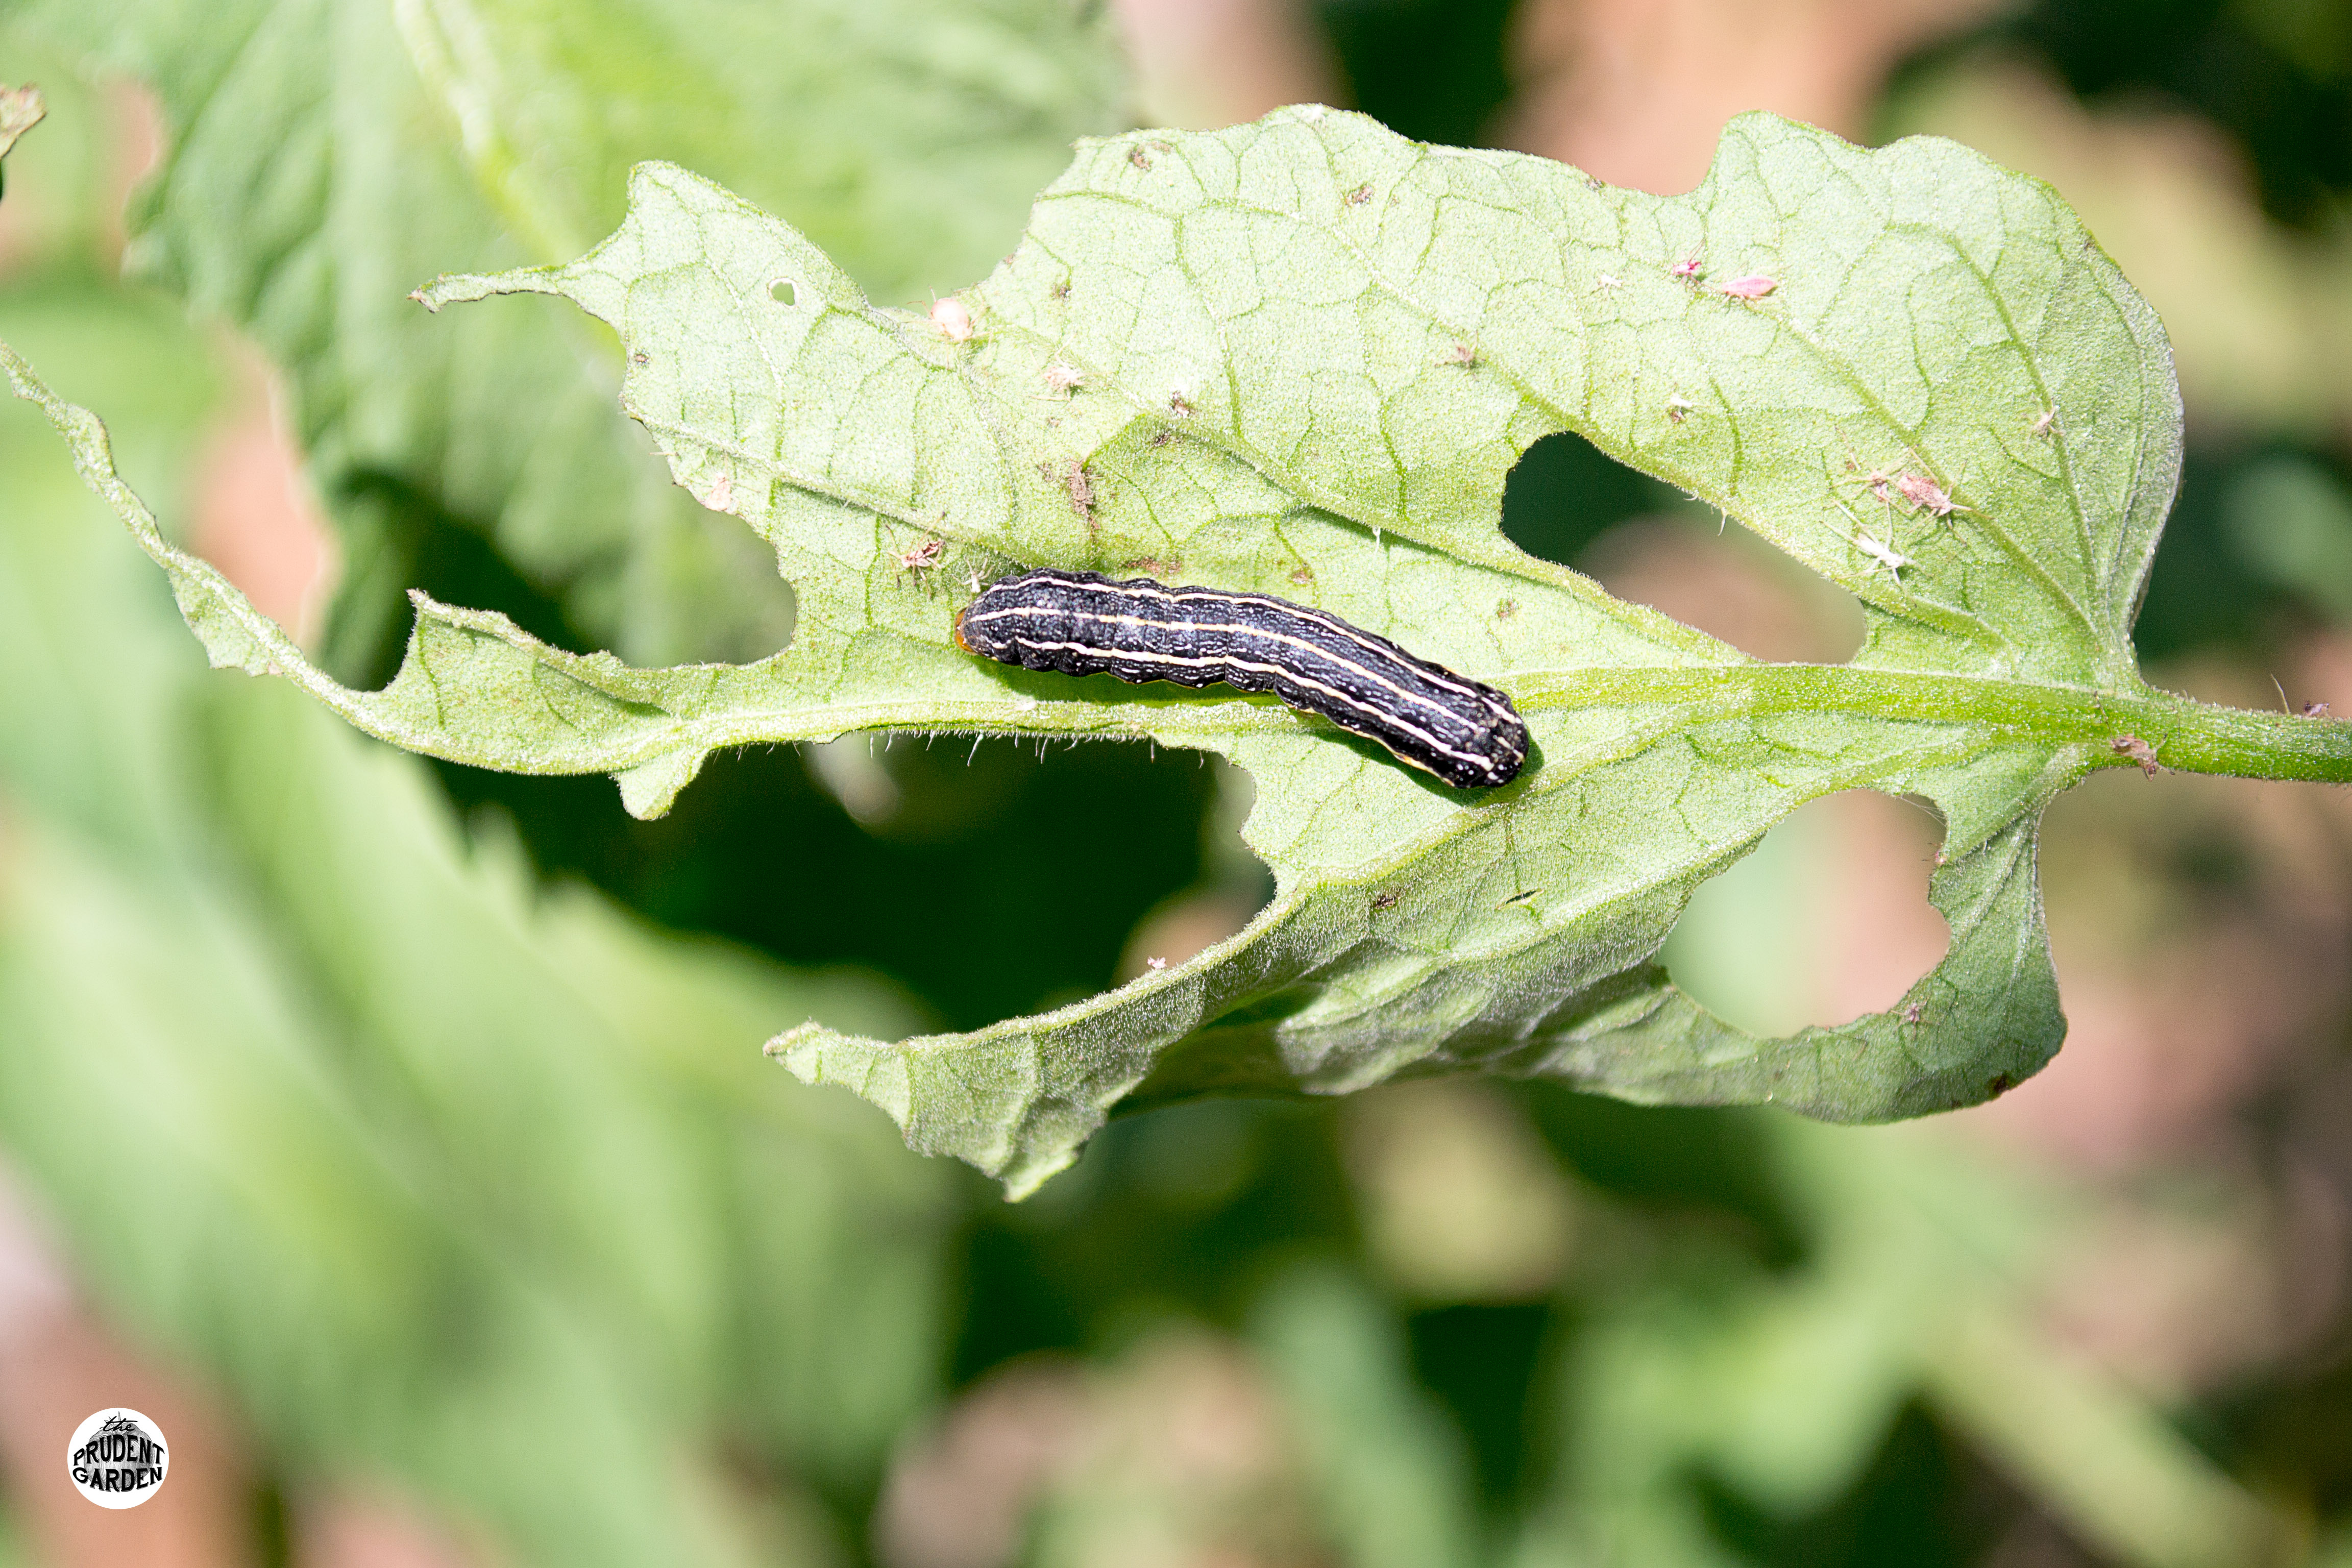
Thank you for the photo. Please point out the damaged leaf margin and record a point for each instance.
(1300, 356)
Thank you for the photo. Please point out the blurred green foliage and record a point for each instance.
(544, 1217)
(530, 1235)
(2275, 75)
(546, 1243)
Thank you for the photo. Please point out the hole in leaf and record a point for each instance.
(1182, 926)
(1647, 543)
(1234, 886)
(1729, 584)
(401, 537)
(784, 291)
(942, 894)
(1565, 492)
(1827, 920)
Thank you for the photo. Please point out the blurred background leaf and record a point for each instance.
(321, 161)
(529, 1207)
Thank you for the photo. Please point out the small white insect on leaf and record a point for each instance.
(1882, 551)
(952, 317)
(1755, 286)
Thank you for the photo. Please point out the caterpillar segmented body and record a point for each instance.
(1081, 623)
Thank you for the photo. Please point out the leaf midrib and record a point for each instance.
(2186, 735)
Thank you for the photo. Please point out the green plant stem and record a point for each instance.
(2183, 734)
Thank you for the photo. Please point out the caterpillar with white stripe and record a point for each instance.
(1081, 623)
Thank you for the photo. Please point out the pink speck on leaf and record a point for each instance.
(1928, 495)
(920, 556)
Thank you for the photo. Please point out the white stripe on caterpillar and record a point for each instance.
(1080, 623)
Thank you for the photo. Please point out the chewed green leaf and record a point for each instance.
(1301, 357)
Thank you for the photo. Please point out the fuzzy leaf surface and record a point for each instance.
(1301, 356)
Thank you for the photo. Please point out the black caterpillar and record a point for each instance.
(1083, 624)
